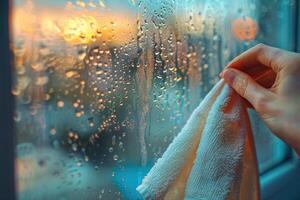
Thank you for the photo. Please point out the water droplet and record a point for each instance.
(53, 131)
(74, 146)
(79, 163)
(91, 121)
(78, 114)
(113, 140)
(91, 4)
(71, 134)
(81, 4)
(93, 38)
(17, 116)
(101, 3)
(42, 80)
(81, 55)
(116, 157)
(60, 104)
(121, 145)
(86, 158)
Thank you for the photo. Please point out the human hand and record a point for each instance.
(269, 79)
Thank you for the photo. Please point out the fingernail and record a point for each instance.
(221, 74)
(229, 76)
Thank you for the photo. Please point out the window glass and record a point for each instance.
(103, 86)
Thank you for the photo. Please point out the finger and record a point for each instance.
(264, 77)
(262, 56)
(244, 85)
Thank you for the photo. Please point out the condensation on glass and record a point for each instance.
(103, 86)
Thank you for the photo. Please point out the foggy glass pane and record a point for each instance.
(103, 86)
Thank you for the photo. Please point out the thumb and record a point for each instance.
(245, 86)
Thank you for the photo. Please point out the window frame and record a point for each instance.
(7, 183)
(283, 180)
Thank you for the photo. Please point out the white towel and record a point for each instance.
(213, 157)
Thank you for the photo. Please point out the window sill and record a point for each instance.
(282, 182)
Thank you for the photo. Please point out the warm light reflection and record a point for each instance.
(80, 29)
(114, 29)
(23, 21)
(74, 26)
(49, 26)
(244, 28)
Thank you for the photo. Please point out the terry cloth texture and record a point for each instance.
(213, 157)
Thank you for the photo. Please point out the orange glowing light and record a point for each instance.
(80, 29)
(24, 22)
(114, 29)
(49, 26)
(244, 28)
(74, 26)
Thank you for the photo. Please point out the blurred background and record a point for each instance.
(103, 86)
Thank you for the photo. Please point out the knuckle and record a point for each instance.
(276, 61)
(272, 56)
(260, 47)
